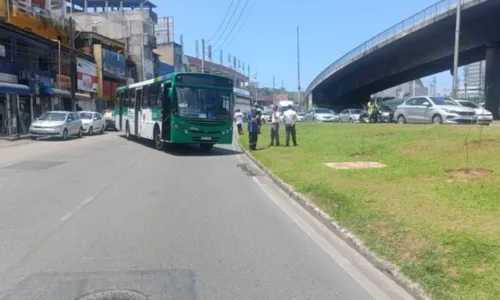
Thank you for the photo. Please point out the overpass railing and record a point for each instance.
(418, 20)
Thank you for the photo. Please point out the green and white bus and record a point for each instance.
(178, 108)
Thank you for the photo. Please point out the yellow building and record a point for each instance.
(35, 16)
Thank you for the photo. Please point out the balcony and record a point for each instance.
(38, 21)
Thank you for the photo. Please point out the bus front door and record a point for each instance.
(138, 114)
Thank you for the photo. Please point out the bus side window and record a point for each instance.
(131, 103)
(153, 94)
(145, 97)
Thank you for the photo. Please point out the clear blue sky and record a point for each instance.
(267, 40)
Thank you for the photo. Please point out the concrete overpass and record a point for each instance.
(421, 45)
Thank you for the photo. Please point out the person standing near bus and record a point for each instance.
(290, 118)
(275, 127)
(238, 118)
(253, 129)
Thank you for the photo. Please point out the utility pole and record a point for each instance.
(454, 86)
(142, 51)
(274, 91)
(72, 60)
(298, 67)
(203, 55)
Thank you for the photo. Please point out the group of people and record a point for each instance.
(255, 122)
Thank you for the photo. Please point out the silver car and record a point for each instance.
(350, 116)
(58, 124)
(484, 117)
(436, 110)
(319, 115)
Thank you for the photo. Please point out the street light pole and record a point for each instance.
(298, 68)
(454, 86)
(202, 55)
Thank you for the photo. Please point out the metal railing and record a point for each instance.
(417, 21)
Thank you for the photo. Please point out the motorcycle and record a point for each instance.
(374, 117)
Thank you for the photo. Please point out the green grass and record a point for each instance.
(442, 231)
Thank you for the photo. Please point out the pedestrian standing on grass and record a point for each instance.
(290, 118)
(238, 118)
(253, 129)
(275, 127)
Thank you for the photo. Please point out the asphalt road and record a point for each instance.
(103, 213)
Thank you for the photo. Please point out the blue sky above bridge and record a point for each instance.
(329, 29)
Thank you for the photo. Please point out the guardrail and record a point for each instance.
(418, 20)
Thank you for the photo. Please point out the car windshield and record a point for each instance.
(53, 116)
(443, 101)
(203, 103)
(322, 111)
(85, 116)
(468, 104)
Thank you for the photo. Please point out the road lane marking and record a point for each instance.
(328, 248)
(78, 208)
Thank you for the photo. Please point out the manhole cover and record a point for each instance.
(34, 165)
(114, 295)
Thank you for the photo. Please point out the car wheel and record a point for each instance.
(401, 119)
(80, 133)
(91, 131)
(103, 128)
(437, 119)
(351, 121)
(65, 134)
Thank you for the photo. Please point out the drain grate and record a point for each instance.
(114, 295)
(34, 165)
(246, 169)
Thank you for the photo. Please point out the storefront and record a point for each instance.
(87, 80)
(112, 74)
(14, 118)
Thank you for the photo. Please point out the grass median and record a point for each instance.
(434, 210)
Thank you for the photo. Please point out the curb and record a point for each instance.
(384, 266)
(15, 138)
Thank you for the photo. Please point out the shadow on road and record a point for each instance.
(186, 149)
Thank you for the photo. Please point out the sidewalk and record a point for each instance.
(6, 142)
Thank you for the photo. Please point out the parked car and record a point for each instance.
(436, 110)
(350, 115)
(266, 117)
(57, 124)
(92, 122)
(301, 116)
(484, 117)
(319, 115)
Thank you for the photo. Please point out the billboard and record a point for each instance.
(113, 64)
(86, 75)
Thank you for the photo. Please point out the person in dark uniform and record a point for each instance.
(253, 129)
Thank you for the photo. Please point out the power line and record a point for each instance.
(234, 26)
(227, 24)
(223, 20)
(240, 28)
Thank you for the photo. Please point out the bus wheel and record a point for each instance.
(206, 147)
(127, 132)
(157, 139)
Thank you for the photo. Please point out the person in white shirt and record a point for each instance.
(290, 118)
(275, 127)
(238, 118)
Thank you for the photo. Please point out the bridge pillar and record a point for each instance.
(492, 80)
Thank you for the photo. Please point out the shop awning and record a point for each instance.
(56, 92)
(13, 88)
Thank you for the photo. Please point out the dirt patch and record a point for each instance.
(355, 165)
(486, 142)
(384, 133)
(362, 154)
(468, 173)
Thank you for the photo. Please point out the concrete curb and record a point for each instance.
(386, 267)
(15, 138)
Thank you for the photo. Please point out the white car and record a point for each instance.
(319, 115)
(58, 124)
(92, 122)
(484, 117)
(435, 110)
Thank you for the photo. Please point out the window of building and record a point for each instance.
(6, 48)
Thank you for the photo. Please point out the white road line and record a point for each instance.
(329, 249)
(78, 208)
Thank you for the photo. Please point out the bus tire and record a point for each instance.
(127, 132)
(159, 145)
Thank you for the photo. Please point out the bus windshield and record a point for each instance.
(203, 103)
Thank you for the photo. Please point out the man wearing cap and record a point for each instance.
(253, 129)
